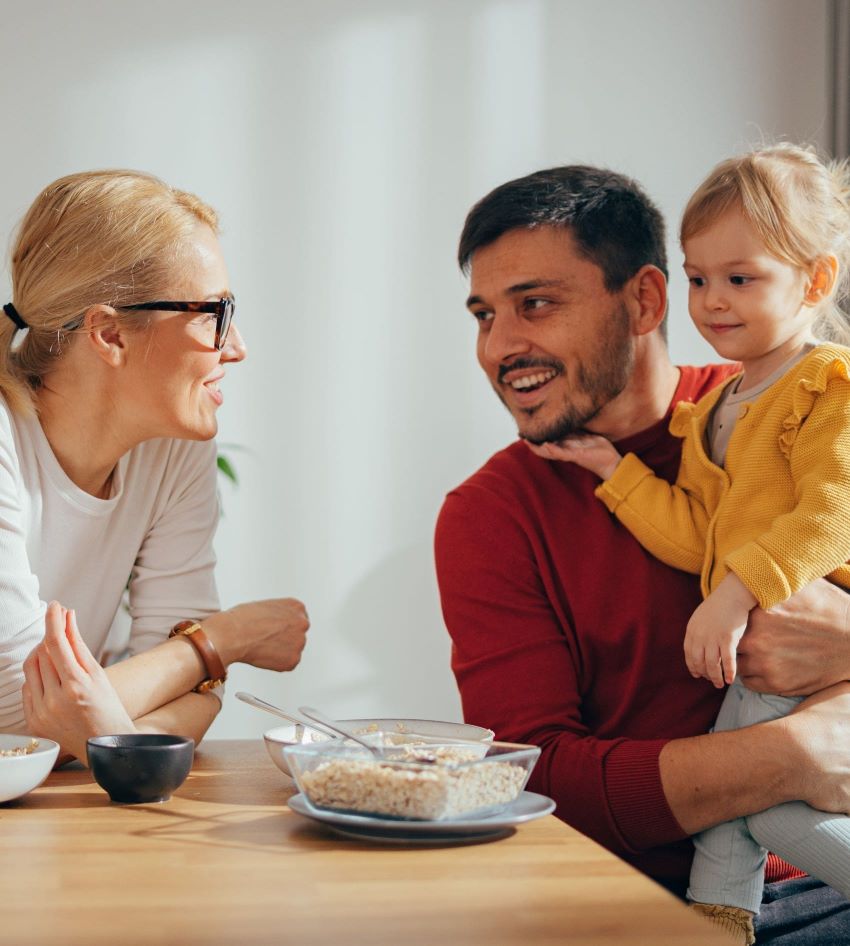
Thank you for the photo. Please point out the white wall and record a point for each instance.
(343, 143)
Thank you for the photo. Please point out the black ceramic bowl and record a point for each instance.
(140, 767)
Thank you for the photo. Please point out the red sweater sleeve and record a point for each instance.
(518, 669)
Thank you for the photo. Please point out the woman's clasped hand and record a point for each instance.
(67, 694)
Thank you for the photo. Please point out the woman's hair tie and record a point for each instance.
(12, 312)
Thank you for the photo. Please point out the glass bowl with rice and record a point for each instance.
(415, 781)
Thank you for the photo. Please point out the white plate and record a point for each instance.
(527, 807)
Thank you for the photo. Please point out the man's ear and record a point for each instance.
(821, 280)
(646, 299)
(105, 334)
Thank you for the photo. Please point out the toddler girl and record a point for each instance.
(761, 504)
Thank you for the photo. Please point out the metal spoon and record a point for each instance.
(328, 723)
(277, 711)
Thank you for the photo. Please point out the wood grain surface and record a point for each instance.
(225, 862)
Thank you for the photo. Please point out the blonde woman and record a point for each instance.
(113, 350)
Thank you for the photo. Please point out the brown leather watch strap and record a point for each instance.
(209, 655)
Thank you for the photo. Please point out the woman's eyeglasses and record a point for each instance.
(222, 309)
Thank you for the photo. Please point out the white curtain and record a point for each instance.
(840, 27)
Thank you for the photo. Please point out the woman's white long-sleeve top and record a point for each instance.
(57, 542)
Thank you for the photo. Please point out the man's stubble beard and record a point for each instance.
(597, 384)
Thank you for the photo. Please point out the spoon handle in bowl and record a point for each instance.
(328, 723)
(277, 711)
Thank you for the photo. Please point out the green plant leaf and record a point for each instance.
(225, 467)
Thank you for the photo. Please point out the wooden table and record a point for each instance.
(225, 862)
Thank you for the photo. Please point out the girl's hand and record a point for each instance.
(715, 630)
(590, 451)
(67, 695)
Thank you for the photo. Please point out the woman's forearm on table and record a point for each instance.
(157, 677)
(189, 715)
(269, 634)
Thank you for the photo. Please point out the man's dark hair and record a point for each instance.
(614, 223)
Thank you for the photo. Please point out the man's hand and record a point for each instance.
(590, 451)
(820, 736)
(799, 646)
(270, 634)
(804, 756)
(714, 630)
(67, 695)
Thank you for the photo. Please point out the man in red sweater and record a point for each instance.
(566, 633)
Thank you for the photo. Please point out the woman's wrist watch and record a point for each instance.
(216, 673)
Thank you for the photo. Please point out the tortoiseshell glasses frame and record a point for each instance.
(223, 310)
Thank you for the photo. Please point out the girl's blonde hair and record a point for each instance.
(799, 206)
(111, 237)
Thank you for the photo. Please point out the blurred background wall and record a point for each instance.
(343, 143)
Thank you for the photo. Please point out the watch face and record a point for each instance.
(181, 627)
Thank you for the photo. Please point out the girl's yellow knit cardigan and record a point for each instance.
(778, 515)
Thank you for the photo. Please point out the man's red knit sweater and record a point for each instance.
(568, 635)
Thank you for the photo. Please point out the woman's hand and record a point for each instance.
(67, 695)
(270, 634)
(590, 451)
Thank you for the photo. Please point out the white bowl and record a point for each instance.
(20, 774)
(280, 737)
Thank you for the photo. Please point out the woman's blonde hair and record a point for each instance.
(799, 206)
(110, 237)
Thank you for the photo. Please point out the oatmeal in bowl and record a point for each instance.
(425, 782)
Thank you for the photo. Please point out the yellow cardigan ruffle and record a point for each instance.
(778, 514)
